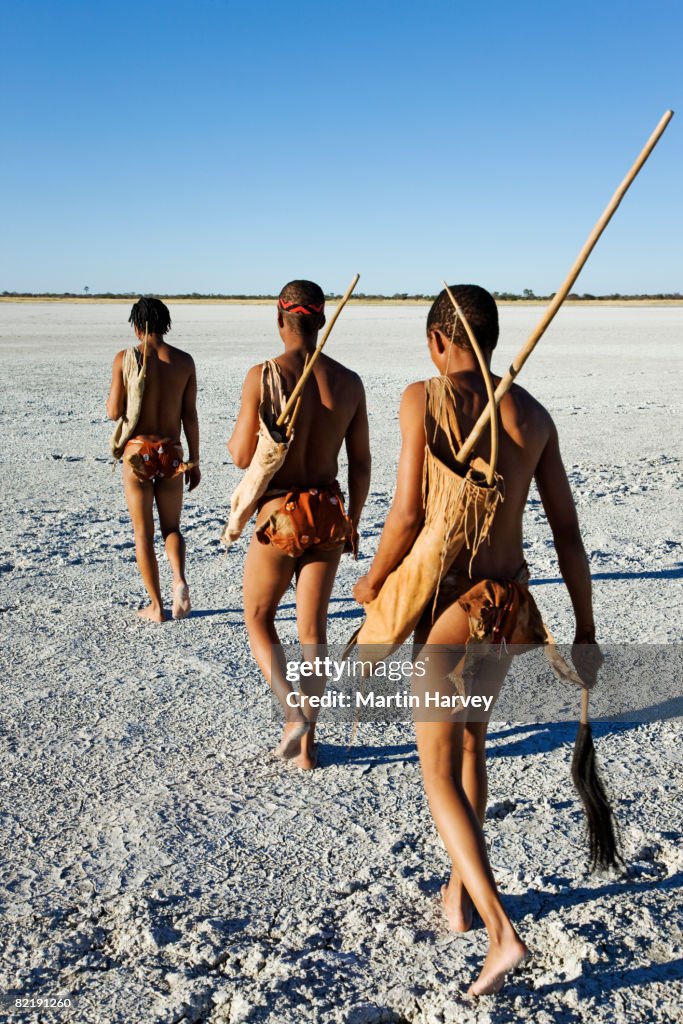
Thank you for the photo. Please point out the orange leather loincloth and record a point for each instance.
(309, 518)
(498, 610)
(500, 613)
(155, 460)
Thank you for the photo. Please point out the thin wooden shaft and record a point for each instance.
(585, 697)
(492, 408)
(290, 426)
(292, 420)
(560, 296)
(291, 402)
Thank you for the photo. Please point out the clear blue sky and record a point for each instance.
(227, 147)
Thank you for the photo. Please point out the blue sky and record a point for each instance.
(224, 147)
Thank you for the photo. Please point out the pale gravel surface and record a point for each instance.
(158, 866)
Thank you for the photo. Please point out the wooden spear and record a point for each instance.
(560, 296)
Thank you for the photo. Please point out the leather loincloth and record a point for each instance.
(499, 611)
(309, 518)
(155, 460)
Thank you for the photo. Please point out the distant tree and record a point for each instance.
(86, 290)
(528, 293)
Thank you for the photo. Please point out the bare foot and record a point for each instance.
(153, 612)
(181, 601)
(307, 760)
(290, 744)
(457, 906)
(501, 958)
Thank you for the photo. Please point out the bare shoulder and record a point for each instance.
(413, 403)
(347, 378)
(254, 372)
(179, 357)
(252, 380)
(531, 411)
(118, 359)
(414, 394)
(343, 372)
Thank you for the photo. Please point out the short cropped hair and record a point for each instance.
(150, 314)
(478, 306)
(302, 303)
(304, 293)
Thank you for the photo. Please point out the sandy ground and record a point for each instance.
(159, 866)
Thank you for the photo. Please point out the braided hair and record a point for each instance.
(151, 314)
(479, 307)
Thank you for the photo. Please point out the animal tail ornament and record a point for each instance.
(603, 832)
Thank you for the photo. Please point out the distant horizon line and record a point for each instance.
(527, 295)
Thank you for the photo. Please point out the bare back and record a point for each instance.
(330, 400)
(169, 370)
(524, 429)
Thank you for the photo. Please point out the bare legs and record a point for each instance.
(267, 574)
(169, 499)
(469, 766)
(315, 576)
(454, 773)
(140, 497)
(463, 838)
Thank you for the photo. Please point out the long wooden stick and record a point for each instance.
(291, 402)
(486, 374)
(560, 296)
(289, 429)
